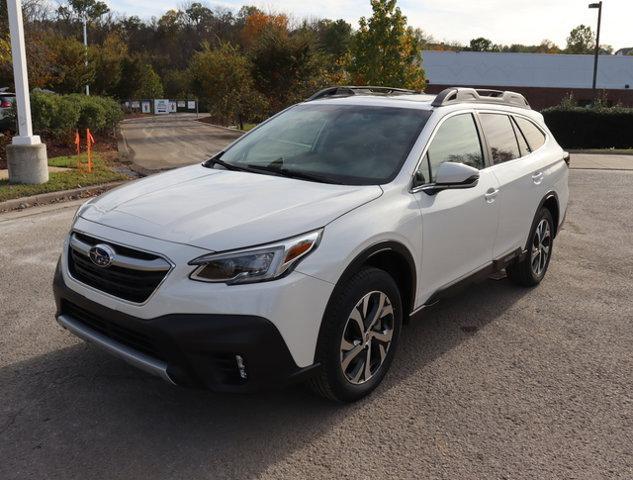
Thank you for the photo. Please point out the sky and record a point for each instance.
(502, 21)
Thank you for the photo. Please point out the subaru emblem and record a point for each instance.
(102, 255)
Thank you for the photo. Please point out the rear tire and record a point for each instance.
(359, 336)
(531, 270)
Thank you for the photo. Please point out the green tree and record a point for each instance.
(108, 58)
(150, 85)
(66, 64)
(547, 46)
(334, 37)
(176, 83)
(197, 15)
(581, 40)
(480, 44)
(221, 77)
(90, 10)
(284, 67)
(138, 80)
(384, 51)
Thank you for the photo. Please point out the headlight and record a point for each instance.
(255, 264)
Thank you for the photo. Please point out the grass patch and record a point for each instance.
(62, 180)
(249, 126)
(67, 162)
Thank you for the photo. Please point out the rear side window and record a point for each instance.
(500, 137)
(457, 141)
(534, 136)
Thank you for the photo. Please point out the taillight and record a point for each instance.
(5, 104)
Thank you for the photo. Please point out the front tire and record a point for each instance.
(358, 337)
(531, 270)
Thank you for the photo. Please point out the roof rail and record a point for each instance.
(453, 95)
(349, 90)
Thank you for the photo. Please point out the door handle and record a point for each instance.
(537, 177)
(491, 194)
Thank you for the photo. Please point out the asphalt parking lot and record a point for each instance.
(497, 383)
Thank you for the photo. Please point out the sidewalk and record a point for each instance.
(601, 161)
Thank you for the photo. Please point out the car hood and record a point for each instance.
(221, 210)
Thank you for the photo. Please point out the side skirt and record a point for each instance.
(480, 275)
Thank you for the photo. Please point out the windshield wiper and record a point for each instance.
(229, 166)
(286, 172)
(268, 169)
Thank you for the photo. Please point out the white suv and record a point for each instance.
(299, 251)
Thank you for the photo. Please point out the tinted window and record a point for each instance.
(457, 141)
(500, 137)
(351, 144)
(535, 138)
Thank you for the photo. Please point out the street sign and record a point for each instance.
(161, 106)
(182, 104)
(146, 107)
(191, 104)
(173, 107)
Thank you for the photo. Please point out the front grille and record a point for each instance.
(131, 338)
(129, 280)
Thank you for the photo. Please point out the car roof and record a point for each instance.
(422, 101)
(458, 97)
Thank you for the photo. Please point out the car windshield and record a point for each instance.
(349, 144)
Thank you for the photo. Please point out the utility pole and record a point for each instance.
(85, 21)
(26, 156)
(597, 50)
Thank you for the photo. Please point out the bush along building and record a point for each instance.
(544, 79)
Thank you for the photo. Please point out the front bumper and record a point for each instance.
(185, 349)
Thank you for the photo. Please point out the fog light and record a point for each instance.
(241, 367)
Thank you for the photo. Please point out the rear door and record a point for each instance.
(459, 225)
(519, 171)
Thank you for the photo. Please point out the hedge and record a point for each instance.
(579, 127)
(58, 116)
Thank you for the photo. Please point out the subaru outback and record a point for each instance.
(298, 252)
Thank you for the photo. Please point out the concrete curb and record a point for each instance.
(599, 152)
(126, 155)
(122, 147)
(56, 197)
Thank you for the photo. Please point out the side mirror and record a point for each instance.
(453, 175)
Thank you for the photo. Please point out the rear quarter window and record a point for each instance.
(533, 135)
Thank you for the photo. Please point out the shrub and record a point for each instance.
(91, 113)
(113, 112)
(58, 116)
(598, 127)
(54, 115)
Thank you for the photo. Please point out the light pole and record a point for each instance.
(26, 156)
(597, 51)
(85, 21)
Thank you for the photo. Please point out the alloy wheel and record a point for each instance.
(367, 337)
(541, 246)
